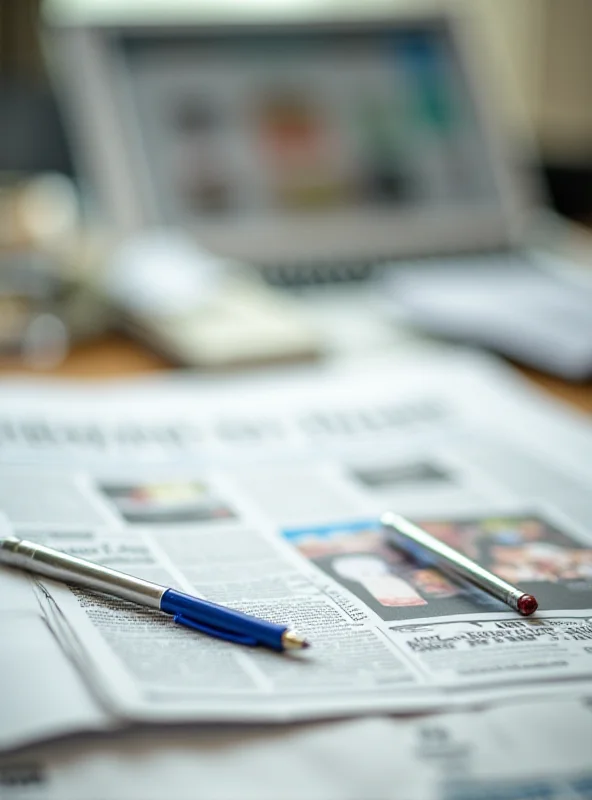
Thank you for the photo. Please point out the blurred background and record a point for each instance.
(84, 277)
(544, 63)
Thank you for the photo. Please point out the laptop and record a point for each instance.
(307, 141)
(311, 146)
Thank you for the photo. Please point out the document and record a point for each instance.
(43, 695)
(264, 495)
(516, 751)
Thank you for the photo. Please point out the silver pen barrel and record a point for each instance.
(70, 569)
(426, 548)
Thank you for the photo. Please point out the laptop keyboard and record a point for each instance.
(297, 275)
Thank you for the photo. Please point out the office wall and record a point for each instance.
(20, 54)
(545, 48)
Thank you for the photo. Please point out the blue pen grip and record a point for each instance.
(221, 619)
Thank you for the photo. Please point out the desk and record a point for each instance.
(118, 356)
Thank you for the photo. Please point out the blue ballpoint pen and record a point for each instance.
(193, 612)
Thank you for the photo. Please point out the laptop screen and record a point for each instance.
(255, 123)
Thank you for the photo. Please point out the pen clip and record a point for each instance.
(217, 632)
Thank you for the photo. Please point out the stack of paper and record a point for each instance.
(264, 496)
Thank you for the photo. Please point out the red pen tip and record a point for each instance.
(527, 605)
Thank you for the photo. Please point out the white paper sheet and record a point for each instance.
(511, 752)
(43, 695)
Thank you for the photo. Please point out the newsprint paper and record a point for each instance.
(264, 495)
(522, 751)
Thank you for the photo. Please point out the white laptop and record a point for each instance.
(309, 144)
(310, 140)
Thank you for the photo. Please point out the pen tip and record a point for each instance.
(292, 641)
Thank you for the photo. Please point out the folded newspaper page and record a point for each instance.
(264, 496)
(513, 752)
(42, 694)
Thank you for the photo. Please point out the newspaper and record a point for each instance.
(264, 496)
(31, 660)
(511, 752)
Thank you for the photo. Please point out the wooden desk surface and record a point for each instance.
(117, 356)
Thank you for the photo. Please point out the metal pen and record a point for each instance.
(425, 548)
(192, 612)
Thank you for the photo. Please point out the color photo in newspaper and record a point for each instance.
(455, 631)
